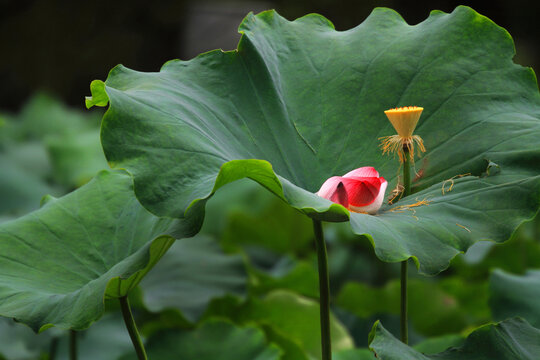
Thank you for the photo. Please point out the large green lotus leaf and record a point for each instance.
(299, 102)
(508, 340)
(515, 295)
(212, 340)
(190, 275)
(59, 262)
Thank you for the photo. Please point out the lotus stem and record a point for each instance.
(403, 306)
(132, 328)
(403, 312)
(72, 345)
(52, 348)
(324, 291)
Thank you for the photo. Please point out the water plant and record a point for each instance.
(294, 107)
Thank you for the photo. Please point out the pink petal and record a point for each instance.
(366, 171)
(334, 190)
(340, 196)
(362, 191)
(376, 204)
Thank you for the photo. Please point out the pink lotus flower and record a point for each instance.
(360, 190)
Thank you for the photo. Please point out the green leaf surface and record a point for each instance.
(211, 341)
(59, 262)
(515, 295)
(299, 102)
(438, 344)
(191, 274)
(508, 340)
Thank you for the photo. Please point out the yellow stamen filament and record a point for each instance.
(396, 193)
(451, 181)
(394, 144)
(463, 227)
(411, 207)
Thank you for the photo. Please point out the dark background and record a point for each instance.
(60, 46)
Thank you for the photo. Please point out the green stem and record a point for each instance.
(132, 328)
(403, 307)
(324, 291)
(72, 345)
(403, 312)
(52, 348)
(406, 174)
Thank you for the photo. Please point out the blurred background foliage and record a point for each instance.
(251, 275)
(60, 46)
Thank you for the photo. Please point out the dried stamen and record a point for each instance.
(396, 193)
(451, 181)
(463, 227)
(402, 208)
(394, 144)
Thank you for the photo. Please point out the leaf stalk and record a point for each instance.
(72, 345)
(132, 328)
(404, 330)
(324, 290)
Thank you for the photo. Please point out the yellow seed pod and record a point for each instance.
(404, 120)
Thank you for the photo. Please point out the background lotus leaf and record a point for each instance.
(19, 342)
(299, 102)
(515, 295)
(191, 274)
(59, 262)
(508, 340)
(289, 320)
(212, 340)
